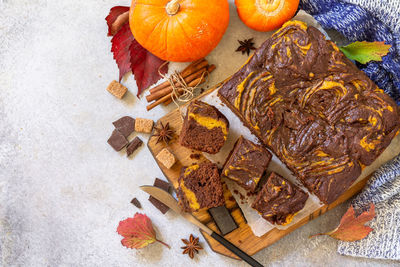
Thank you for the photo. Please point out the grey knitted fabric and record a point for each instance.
(383, 189)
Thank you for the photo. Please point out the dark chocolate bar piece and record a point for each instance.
(223, 219)
(162, 184)
(126, 125)
(117, 140)
(133, 145)
(158, 204)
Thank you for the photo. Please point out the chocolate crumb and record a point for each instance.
(195, 156)
(135, 144)
(136, 203)
(235, 191)
(126, 125)
(117, 140)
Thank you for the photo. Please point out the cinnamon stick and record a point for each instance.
(210, 69)
(187, 71)
(168, 97)
(168, 89)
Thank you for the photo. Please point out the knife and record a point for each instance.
(171, 202)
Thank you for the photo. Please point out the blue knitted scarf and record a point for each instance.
(367, 22)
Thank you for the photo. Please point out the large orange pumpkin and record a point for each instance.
(266, 15)
(179, 30)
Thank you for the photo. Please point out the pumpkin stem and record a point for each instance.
(172, 7)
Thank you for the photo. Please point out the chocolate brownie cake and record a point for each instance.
(204, 128)
(246, 163)
(279, 200)
(200, 186)
(323, 117)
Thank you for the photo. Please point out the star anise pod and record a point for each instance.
(192, 246)
(163, 133)
(246, 46)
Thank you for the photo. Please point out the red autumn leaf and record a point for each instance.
(138, 232)
(352, 228)
(121, 43)
(130, 55)
(145, 66)
(115, 12)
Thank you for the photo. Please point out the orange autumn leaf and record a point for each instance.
(138, 232)
(352, 228)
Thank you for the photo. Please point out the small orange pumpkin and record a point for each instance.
(266, 15)
(179, 30)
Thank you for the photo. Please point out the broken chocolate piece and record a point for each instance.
(162, 184)
(158, 204)
(133, 145)
(223, 219)
(117, 140)
(136, 203)
(126, 125)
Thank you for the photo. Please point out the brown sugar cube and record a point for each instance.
(166, 158)
(117, 89)
(143, 125)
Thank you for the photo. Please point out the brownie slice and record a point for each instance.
(279, 200)
(313, 108)
(246, 163)
(200, 187)
(204, 128)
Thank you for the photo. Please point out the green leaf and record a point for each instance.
(364, 52)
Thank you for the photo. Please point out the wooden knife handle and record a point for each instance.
(237, 251)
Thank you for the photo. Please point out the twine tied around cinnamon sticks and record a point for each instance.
(180, 87)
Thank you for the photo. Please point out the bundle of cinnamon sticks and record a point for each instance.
(193, 75)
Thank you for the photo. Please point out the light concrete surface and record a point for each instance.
(63, 188)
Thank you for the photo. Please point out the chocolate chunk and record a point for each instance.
(223, 219)
(162, 184)
(117, 140)
(159, 205)
(133, 145)
(126, 125)
(136, 203)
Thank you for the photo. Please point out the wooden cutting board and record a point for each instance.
(242, 237)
